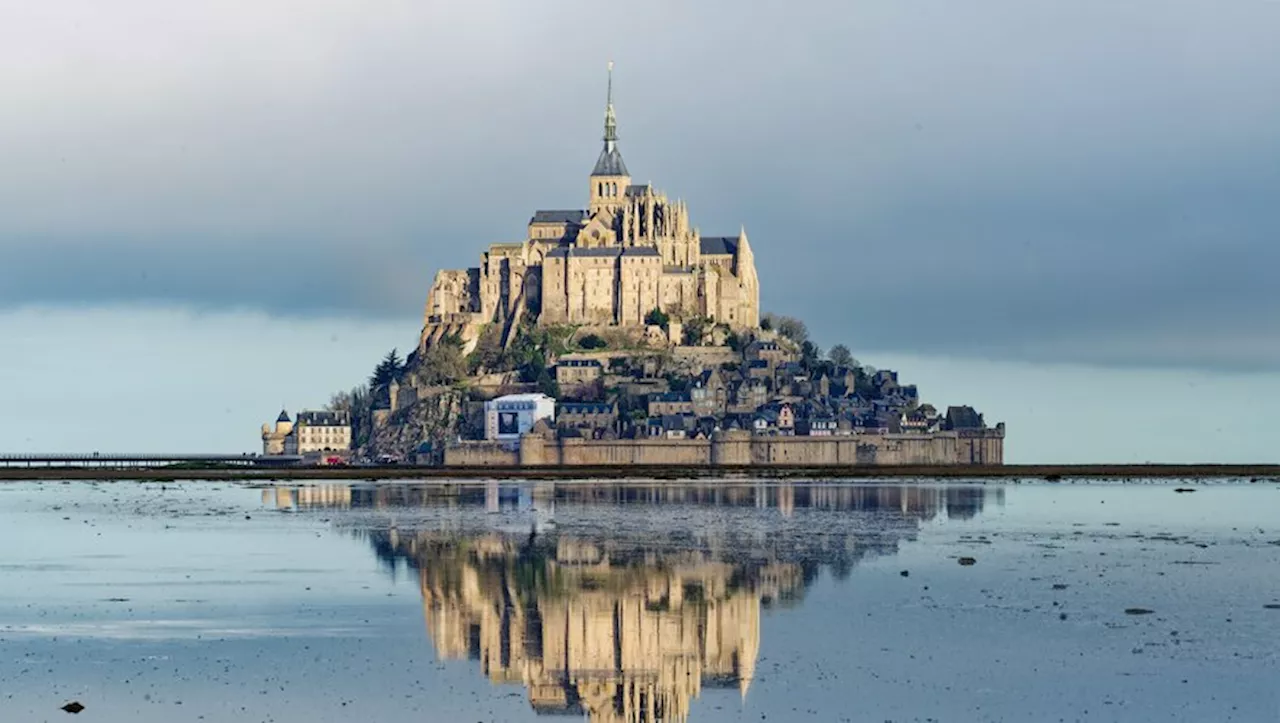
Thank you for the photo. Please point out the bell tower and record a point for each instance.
(610, 178)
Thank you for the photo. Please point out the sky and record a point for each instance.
(212, 210)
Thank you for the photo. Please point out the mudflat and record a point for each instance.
(702, 600)
(1037, 472)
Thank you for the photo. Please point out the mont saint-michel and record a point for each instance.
(632, 252)
(619, 334)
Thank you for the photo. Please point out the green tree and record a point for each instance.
(842, 357)
(339, 402)
(733, 341)
(862, 383)
(389, 368)
(488, 355)
(810, 354)
(527, 355)
(359, 404)
(695, 330)
(443, 362)
(592, 341)
(793, 329)
(547, 384)
(657, 317)
(766, 324)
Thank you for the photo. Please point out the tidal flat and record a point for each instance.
(705, 601)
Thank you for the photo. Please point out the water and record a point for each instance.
(640, 602)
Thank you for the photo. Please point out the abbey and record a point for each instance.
(631, 251)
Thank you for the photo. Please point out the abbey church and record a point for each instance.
(631, 251)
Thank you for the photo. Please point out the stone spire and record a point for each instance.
(610, 161)
(610, 119)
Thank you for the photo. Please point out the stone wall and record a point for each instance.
(742, 448)
(481, 454)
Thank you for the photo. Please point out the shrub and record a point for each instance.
(657, 317)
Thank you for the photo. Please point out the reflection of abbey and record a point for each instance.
(600, 620)
(602, 638)
(631, 251)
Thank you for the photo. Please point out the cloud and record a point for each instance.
(1090, 182)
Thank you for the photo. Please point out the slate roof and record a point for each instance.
(719, 245)
(636, 190)
(640, 251)
(586, 408)
(561, 252)
(963, 418)
(610, 164)
(284, 416)
(670, 397)
(322, 419)
(559, 216)
(679, 421)
(606, 252)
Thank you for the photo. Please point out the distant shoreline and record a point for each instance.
(1269, 473)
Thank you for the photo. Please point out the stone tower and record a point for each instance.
(609, 179)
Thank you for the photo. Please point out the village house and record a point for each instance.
(573, 373)
(768, 351)
(758, 369)
(319, 432)
(822, 425)
(781, 417)
(708, 396)
(670, 403)
(587, 416)
(748, 396)
(672, 426)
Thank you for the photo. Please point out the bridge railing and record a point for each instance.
(142, 459)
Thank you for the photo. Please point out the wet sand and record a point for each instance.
(714, 601)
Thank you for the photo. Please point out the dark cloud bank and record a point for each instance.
(1015, 180)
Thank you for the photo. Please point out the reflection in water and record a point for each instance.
(622, 602)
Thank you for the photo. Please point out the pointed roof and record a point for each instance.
(610, 161)
(284, 416)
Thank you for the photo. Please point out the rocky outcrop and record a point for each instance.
(435, 416)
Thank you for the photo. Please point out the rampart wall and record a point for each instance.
(482, 454)
(978, 447)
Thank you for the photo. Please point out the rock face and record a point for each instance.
(436, 416)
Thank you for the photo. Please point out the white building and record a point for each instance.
(506, 418)
(319, 432)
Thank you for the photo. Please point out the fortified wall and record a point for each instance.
(739, 448)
